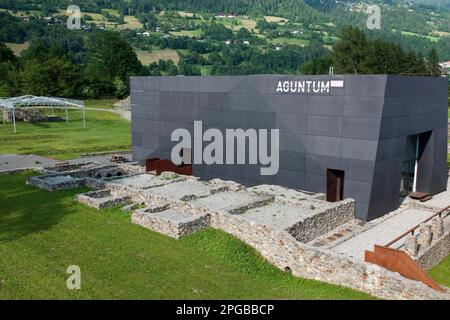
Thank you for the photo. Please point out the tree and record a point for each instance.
(317, 66)
(121, 88)
(433, 63)
(243, 34)
(171, 68)
(6, 54)
(56, 76)
(384, 58)
(111, 57)
(188, 69)
(9, 82)
(349, 53)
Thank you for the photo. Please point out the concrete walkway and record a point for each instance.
(9, 162)
(17, 162)
(385, 229)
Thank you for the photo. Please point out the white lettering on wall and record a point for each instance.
(308, 86)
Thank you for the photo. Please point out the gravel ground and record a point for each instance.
(174, 216)
(13, 161)
(229, 200)
(383, 232)
(278, 215)
(101, 159)
(142, 181)
(178, 190)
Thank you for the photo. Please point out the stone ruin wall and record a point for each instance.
(437, 252)
(323, 222)
(282, 250)
(430, 243)
(286, 253)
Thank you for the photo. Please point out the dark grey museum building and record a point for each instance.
(372, 138)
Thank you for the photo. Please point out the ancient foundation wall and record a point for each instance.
(323, 222)
(435, 253)
(281, 249)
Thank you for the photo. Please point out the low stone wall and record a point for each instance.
(435, 253)
(66, 166)
(323, 222)
(430, 243)
(102, 199)
(282, 250)
(92, 170)
(55, 182)
(172, 223)
(131, 167)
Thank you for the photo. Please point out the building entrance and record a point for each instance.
(335, 185)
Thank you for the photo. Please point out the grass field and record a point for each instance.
(283, 40)
(430, 38)
(146, 57)
(17, 48)
(102, 104)
(104, 131)
(441, 273)
(188, 33)
(440, 34)
(42, 233)
(249, 24)
(131, 22)
(279, 20)
(185, 14)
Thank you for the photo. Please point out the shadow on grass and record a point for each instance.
(25, 209)
(40, 124)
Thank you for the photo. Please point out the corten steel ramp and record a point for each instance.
(399, 261)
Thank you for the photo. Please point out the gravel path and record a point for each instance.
(100, 159)
(16, 162)
(439, 201)
(383, 232)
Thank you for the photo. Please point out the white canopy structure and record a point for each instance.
(40, 102)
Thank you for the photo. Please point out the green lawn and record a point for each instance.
(102, 104)
(441, 273)
(188, 33)
(284, 40)
(42, 233)
(104, 131)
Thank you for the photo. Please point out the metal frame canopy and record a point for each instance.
(29, 101)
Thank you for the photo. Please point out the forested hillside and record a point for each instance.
(121, 38)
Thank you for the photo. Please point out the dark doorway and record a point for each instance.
(414, 166)
(409, 166)
(335, 185)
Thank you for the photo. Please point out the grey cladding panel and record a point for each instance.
(360, 128)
